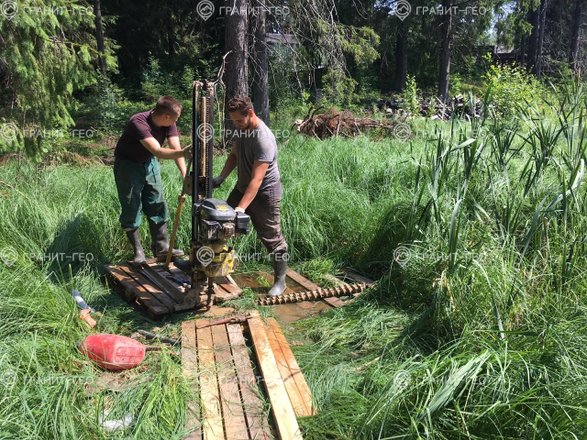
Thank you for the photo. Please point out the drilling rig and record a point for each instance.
(214, 222)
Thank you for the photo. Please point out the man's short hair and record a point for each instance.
(240, 104)
(167, 105)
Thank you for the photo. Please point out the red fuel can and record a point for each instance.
(113, 352)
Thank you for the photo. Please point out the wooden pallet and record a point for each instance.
(228, 402)
(161, 292)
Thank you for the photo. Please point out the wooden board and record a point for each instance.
(300, 279)
(295, 384)
(332, 301)
(309, 285)
(357, 278)
(212, 424)
(235, 425)
(148, 286)
(226, 289)
(255, 414)
(281, 407)
(295, 282)
(189, 364)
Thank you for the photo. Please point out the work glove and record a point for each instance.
(239, 209)
(217, 181)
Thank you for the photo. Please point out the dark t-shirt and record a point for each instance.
(140, 126)
(257, 145)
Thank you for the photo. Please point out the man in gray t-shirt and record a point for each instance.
(258, 189)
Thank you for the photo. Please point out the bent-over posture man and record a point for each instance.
(258, 190)
(138, 176)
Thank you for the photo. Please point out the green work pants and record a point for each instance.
(139, 189)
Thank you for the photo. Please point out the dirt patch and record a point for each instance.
(113, 381)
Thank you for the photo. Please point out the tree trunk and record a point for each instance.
(170, 35)
(540, 47)
(235, 40)
(446, 29)
(99, 36)
(260, 64)
(401, 56)
(575, 36)
(523, 50)
(534, 20)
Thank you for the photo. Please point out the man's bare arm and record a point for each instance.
(230, 163)
(257, 175)
(157, 150)
(174, 144)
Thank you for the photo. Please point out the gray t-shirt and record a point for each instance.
(258, 144)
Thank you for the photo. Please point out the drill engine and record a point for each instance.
(218, 223)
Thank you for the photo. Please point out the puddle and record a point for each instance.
(288, 313)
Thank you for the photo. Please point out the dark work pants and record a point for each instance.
(265, 214)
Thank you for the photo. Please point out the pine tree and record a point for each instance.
(47, 52)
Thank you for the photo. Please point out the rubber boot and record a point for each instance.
(279, 260)
(134, 236)
(183, 265)
(160, 242)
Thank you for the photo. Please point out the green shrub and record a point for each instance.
(410, 96)
(507, 87)
(104, 107)
(158, 82)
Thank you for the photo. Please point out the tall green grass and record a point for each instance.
(476, 329)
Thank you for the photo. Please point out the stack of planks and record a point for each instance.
(228, 402)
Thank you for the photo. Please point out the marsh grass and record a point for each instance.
(476, 330)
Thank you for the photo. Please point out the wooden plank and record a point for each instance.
(171, 288)
(189, 363)
(235, 425)
(230, 286)
(116, 284)
(145, 298)
(225, 289)
(335, 281)
(284, 416)
(174, 272)
(334, 302)
(298, 404)
(179, 274)
(306, 283)
(252, 404)
(309, 285)
(168, 302)
(296, 385)
(211, 407)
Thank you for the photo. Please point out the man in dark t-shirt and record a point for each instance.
(258, 189)
(138, 176)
